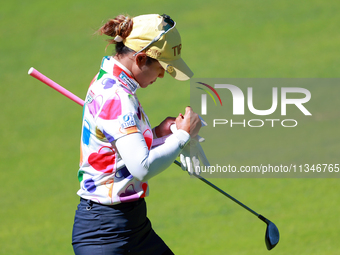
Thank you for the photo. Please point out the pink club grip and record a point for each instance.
(36, 74)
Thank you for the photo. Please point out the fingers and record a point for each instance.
(190, 122)
(169, 121)
(195, 121)
(196, 164)
(192, 156)
(163, 129)
(189, 164)
(183, 122)
(183, 163)
(186, 163)
(188, 111)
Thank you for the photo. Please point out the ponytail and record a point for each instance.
(119, 28)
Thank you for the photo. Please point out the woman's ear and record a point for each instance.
(141, 59)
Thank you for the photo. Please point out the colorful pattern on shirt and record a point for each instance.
(111, 111)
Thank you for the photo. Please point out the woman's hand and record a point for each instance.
(190, 122)
(163, 129)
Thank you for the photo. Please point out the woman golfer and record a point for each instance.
(116, 155)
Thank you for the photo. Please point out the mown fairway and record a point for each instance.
(40, 129)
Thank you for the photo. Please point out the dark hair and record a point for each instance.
(122, 26)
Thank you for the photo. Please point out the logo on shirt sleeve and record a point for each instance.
(127, 120)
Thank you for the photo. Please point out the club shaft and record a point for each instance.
(36, 74)
(221, 191)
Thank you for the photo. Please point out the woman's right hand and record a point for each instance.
(190, 122)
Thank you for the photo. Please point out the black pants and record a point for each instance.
(117, 229)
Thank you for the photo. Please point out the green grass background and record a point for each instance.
(40, 129)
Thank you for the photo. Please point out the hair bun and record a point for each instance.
(119, 28)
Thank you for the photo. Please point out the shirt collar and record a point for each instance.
(112, 66)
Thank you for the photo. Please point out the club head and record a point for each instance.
(272, 235)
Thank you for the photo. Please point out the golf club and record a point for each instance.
(36, 74)
(272, 235)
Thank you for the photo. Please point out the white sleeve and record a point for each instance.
(144, 164)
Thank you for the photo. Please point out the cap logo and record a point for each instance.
(177, 49)
(169, 69)
(153, 53)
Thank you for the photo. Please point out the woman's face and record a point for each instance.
(146, 74)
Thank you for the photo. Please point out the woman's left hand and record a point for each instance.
(163, 129)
